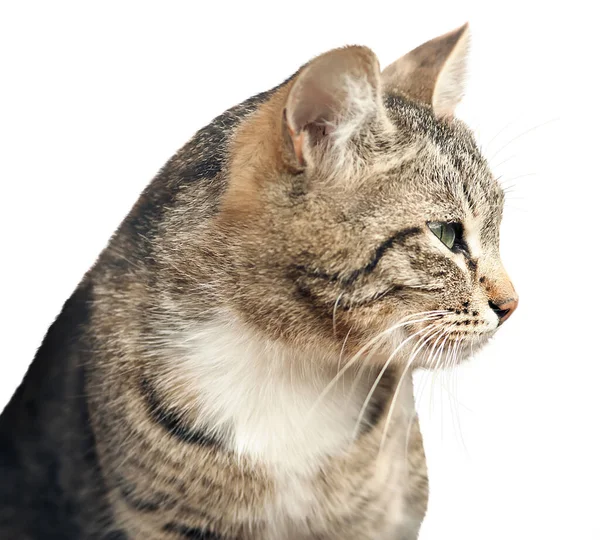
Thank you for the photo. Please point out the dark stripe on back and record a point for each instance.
(171, 420)
(196, 533)
(151, 503)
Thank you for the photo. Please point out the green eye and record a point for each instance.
(446, 232)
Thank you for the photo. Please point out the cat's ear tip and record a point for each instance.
(462, 32)
(463, 36)
(462, 29)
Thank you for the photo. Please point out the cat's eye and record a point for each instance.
(446, 232)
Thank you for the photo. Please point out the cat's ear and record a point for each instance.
(334, 97)
(434, 73)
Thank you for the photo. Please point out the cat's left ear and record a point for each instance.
(334, 97)
(434, 73)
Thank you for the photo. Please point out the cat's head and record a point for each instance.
(358, 206)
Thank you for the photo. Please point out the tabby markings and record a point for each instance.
(397, 239)
(196, 533)
(172, 421)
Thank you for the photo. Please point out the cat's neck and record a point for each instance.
(272, 404)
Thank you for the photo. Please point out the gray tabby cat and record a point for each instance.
(237, 364)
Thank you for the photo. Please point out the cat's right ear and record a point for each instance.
(335, 97)
(434, 73)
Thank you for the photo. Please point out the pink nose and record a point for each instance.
(505, 309)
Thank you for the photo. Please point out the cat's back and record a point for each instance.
(50, 484)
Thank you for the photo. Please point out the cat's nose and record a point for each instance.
(505, 309)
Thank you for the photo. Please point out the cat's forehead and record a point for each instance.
(442, 144)
(446, 166)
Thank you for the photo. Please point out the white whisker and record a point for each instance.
(433, 315)
(379, 377)
(334, 313)
(413, 355)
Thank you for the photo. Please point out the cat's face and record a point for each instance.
(384, 222)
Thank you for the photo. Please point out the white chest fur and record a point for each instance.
(269, 404)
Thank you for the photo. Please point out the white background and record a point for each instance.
(95, 97)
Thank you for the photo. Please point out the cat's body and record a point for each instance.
(193, 385)
(159, 482)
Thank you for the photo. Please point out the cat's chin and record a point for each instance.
(456, 351)
(439, 355)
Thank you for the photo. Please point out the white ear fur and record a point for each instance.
(332, 99)
(450, 84)
(434, 73)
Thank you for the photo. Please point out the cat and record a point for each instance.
(238, 362)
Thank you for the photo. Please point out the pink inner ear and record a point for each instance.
(320, 94)
(313, 112)
(322, 97)
(298, 142)
(328, 129)
(314, 102)
(296, 138)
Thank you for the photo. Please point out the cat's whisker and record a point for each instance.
(380, 376)
(438, 362)
(442, 350)
(522, 134)
(460, 432)
(443, 365)
(452, 387)
(512, 178)
(498, 133)
(334, 313)
(497, 165)
(429, 361)
(450, 359)
(441, 361)
(453, 400)
(409, 363)
(472, 342)
(510, 189)
(342, 350)
(447, 368)
(364, 364)
(444, 333)
(418, 396)
(432, 316)
(372, 353)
